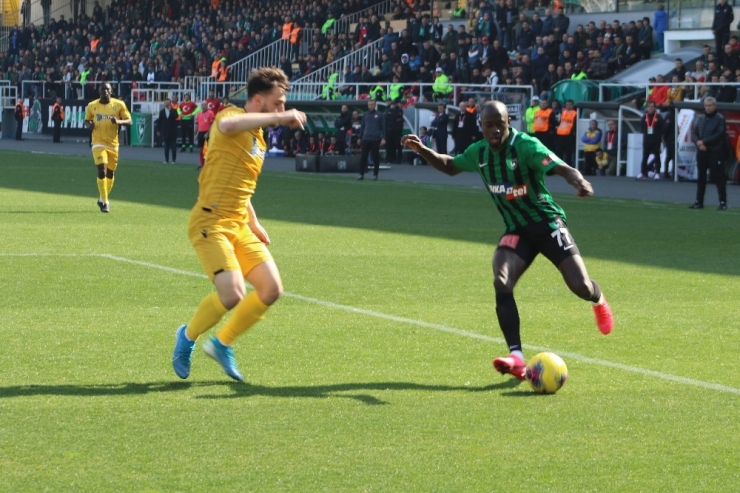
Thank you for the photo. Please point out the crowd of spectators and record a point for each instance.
(500, 44)
(158, 41)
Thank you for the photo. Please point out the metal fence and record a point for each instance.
(418, 92)
(692, 90)
(311, 86)
(343, 24)
(89, 90)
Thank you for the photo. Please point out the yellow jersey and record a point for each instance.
(234, 162)
(105, 133)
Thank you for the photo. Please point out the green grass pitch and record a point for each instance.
(373, 373)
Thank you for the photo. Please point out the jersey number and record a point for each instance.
(565, 240)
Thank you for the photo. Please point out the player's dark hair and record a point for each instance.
(265, 79)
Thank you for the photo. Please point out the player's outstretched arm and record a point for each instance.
(442, 162)
(250, 121)
(575, 178)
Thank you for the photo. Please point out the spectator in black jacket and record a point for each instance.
(167, 130)
(560, 23)
(372, 133)
(343, 123)
(709, 135)
(439, 128)
(645, 39)
(393, 132)
(721, 25)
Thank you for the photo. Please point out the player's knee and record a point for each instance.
(502, 283)
(271, 294)
(231, 298)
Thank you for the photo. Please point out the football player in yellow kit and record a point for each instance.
(224, 229)
(103, 117)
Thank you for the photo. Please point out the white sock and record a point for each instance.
(518, 353)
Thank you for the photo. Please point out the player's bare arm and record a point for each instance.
(575, 179)
(90, 124)
(121, 121)
(250, 121)
(256, 227)
(442, 162)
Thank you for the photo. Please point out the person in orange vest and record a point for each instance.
(287, 28)
(57, 116)
(565, 135)
(215, 65)
(20, 114)
(544, 123)
(295, 41)
(223, 76)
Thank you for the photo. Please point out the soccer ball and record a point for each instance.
(546, 373)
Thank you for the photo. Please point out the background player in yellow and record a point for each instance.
(224, 229)
(103, 117)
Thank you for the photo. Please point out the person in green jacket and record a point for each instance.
(529, 114)
(329, 91)
(329, 24)
(83, 78)
(578, 74)
(377, 93)
(441, 86)
(395, 90)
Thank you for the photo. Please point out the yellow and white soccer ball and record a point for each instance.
(546, 373)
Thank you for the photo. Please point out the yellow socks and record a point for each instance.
(109, 184)
(207, 315)
(247, 313)
(103, 189)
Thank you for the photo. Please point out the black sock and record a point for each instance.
(597, 292)
(508, 320)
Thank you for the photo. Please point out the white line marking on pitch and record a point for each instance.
(409, 321)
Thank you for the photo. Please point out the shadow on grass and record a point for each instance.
(244, 390)
(336, 390)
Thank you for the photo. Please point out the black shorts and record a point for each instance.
(553, 240)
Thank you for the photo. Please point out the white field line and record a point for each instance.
(409, 321)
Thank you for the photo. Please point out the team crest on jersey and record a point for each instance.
(512, 164)
(549, 160)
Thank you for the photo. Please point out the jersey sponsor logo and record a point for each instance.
(510, 191)
(100, 117)
(257, 151)
(510, 241)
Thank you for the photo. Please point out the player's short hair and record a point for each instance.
(265, 79)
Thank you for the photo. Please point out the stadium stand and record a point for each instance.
(397, 49)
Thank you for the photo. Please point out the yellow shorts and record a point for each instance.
(105, 156)
(224, 244)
